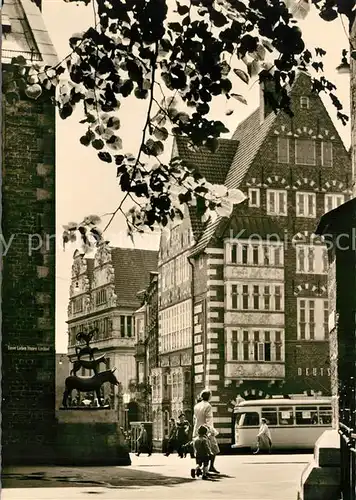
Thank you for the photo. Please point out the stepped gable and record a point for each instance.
(250, 135)
(24, 33)
(213, 166)
(132, 273)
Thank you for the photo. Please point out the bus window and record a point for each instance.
(251, 419)
(270, 414)
(286, 416)
(306, 415)
(325, 415)
(240, 418)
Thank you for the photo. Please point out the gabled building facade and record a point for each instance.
(103, 295)
(146, 348)
(259, 279)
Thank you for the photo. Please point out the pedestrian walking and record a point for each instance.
(172, 438)
(264, 439)
(202, 453)
(203, 415)
(183, 428)
(143, 444)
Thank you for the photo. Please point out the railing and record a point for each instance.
(347, 431)
(29, 56)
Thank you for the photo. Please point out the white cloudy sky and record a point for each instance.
(85, 185)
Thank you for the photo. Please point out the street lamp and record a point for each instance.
(126, 399)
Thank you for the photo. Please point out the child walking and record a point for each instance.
(202, 453)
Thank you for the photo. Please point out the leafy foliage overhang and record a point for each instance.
(178, 56)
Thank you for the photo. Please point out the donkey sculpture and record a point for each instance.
(92, 364)
(88, 384)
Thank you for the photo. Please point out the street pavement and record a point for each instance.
(243, 477)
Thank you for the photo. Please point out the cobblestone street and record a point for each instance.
(243, 477)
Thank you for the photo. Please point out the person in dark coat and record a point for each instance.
(172, 438)
(183, 434)
(143, 444)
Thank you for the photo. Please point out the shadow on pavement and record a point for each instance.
(112, 477)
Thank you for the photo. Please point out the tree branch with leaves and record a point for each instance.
(189, 52)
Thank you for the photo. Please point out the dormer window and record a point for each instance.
(254, 197)
(304, 102)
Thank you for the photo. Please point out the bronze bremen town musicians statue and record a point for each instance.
(87, 384)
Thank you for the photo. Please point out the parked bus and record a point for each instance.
(294, 423)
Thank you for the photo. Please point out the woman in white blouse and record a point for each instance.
(203, 415)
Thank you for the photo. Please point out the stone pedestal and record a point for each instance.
(90, 436)
(321, 478)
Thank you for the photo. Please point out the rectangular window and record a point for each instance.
(311, 319)
(244, 254)
(129, 326)
(312, 316)
(276, 202)
(305, 204)
(234, 346)
(304, 102)
(245, 346)
(333, 201)
(123, 326)
(277, 256)
(325, 415)
(304, 152)
(254, 197)
(244, 296)
(267, 298)
(307, 415)
(327, 154)
(256, 297)
(126, 326)
(267, 351)
(286, 416)
(311, 259)
(277, 298)
(234, 296)
(270, 414)
(266, 261)
(78, 305)
(255, 255)
(100, 298)
(266, 346)
(256, 343)
(283, 149)
(261, 351)
(234, 254)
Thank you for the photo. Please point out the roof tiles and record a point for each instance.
(250, 135)
(213, 166)
(132, 273)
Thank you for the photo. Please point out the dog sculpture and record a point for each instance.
(92, 364)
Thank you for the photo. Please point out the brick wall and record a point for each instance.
(28, 286)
